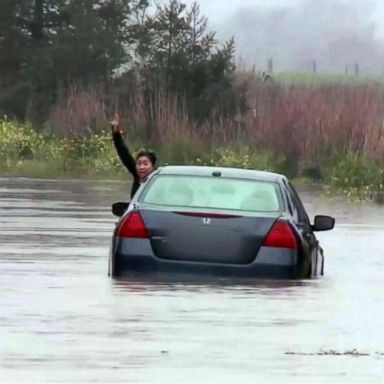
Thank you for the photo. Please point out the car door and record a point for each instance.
(311, 258)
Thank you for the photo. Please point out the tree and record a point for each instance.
(13, 44)
(49, 44)
(184, 57)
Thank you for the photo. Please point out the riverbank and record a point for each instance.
(41, 170)
(55, 170)
(25, 152)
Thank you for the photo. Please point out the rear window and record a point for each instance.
(213, 192)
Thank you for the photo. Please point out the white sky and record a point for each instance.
(219, 10)
(333, 32)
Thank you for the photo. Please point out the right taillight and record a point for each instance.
(132, 225)
(281, 235)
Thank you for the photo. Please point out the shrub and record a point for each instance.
(18, 141)
(358, 178)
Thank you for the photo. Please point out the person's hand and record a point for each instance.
(115, 124)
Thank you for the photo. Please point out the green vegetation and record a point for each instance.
(359, 179)
(126, 49)
(25, 152)
(309, 78)
(66, 66)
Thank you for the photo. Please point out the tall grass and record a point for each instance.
(317, 124)
(335, 130)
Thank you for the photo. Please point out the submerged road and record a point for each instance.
(62, 319)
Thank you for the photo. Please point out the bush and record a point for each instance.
(244, 157)
(358, 178)
(24, 151)
(18, 142)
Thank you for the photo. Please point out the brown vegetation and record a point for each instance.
(308, 125)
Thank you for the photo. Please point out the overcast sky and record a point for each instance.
(335, 33)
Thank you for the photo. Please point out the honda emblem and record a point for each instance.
(206, 221)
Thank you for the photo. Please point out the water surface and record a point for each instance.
(62, 319)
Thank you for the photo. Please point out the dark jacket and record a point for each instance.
(127, 159)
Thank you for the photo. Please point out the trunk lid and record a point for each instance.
(210, 237)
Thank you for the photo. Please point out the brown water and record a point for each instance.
(63, 320)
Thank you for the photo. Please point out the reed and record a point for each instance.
(316, 127)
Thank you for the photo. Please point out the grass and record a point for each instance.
(331, 131)
(309, 78)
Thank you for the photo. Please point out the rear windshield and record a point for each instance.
(213, 192)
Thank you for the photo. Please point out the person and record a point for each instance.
(141, 167)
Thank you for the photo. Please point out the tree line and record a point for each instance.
(47, 46)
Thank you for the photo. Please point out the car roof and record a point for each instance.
(238, 173)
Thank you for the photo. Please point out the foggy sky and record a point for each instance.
(335, 33)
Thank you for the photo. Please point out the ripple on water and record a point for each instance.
(62, 319)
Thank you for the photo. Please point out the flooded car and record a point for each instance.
(212, 220)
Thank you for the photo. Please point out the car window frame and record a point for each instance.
(302, 215)
(292, 210)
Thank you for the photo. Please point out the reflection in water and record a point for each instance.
(63, 320)
(156, 282)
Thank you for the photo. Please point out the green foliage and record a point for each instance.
(18, 142)
(179, 54)
(13, 47)
(358, 178)
(308, 78)
(49, 46)
(21, 146)
(46, 45)
(179, 151)
(244, 157)
(27, 152)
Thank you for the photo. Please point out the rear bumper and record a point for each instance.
(136, 255)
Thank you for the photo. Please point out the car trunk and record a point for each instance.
(206, 237)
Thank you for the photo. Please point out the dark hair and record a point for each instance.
(151, 156)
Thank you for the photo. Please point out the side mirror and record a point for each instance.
(119, 208)
(323, 223)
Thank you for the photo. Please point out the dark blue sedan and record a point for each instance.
(225, 221)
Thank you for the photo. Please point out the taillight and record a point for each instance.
(281, 235)
(132, 226)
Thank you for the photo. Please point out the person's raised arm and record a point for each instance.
(121, 148)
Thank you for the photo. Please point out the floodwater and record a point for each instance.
(62, 319)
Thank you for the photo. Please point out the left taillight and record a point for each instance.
(132, 225)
